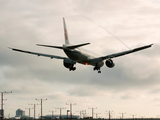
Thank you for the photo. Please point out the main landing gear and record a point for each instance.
(97, 68)
(72, 68)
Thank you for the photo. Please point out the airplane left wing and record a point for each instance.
(39, 54)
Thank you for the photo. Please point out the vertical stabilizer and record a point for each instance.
(65, 33)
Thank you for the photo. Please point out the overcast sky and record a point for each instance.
(131, 87)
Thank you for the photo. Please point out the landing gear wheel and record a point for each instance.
(94, 68)
(72, 69)
(97, 68)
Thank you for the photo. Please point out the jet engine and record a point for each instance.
(110, 63)
(68, 63)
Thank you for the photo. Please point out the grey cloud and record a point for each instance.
(155, 91)
(95, 7)
(126, 97)
(84, 90)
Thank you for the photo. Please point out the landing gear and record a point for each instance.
(97, 68)
(72, 68)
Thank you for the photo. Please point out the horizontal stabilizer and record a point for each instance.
(51, 46)
(70, 47)
(76, 46)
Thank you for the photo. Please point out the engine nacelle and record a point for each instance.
(110, 63)
(68, 63)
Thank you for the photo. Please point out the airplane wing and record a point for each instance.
(99, 59)
(39, 54)
(126, 52)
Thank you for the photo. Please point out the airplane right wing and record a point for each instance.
(126, 52)
(40, 54)
(99, 59)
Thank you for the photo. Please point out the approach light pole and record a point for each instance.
(60, 112)
(71, 109)
(2, 111)
(29, 111)
(92, 111)
(34, 110)
(79, 114)
(67, 114)
(110, 113)
(133, 116)
(97, 115)
(52, 113)
(122, 114)
(84, 113)
(41, 104)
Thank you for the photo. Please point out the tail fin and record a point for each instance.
(65, 33)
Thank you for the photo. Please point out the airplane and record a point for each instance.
(75, 54)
